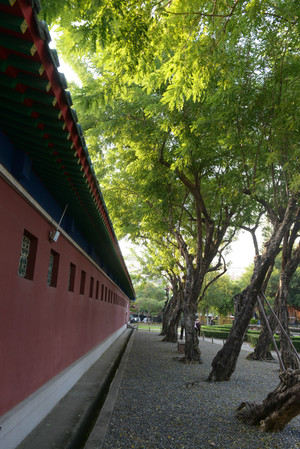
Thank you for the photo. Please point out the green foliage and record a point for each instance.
(150, 297)
(191, 112)
(148, 282)
(296, 342)
(252, 338)
(214, 333)
(218, 297)
(294, 289)
(244, 279)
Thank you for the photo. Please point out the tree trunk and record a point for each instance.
(174, 317)
(279, 407)
(288, 356)
(191, 294)
(166, 313)
(173, 310)
(192, 351)
(223, 365)
(262, 349)
(289, 264)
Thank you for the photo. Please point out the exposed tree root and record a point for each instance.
(268, 357)
(278, 408)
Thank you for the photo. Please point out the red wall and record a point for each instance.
(44, 329)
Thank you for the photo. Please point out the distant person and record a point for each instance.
(182, 327)
(212, 321)
(197, 327)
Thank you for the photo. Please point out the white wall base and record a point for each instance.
(22, 419)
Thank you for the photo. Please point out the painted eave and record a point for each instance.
(36, 115)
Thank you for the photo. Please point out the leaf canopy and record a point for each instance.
(191, 110)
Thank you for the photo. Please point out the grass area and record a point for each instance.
(146, 327)
(219, 332)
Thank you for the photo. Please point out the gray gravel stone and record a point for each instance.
(165, 404)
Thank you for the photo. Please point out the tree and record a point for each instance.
(223, 365)
(173, 310)
(205, 96)
(293, 291)
(289, 262)
(151, 280)
(150, 297)
(168, 185)
(177, 43)
(163, 257)
(272, 142)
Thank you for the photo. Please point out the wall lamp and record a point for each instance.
(53, 235)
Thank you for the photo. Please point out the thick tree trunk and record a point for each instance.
(174, 317)
(166, 315)
(192, 351)
(288, 356)
(191, 293)
(223, 365)
(199, 257)
(289, 265)
(262, 349)
(173, 311)
(279, 407)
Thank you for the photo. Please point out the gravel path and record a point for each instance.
(165, 404)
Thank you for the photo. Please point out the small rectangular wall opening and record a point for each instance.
(91, 287)
(28, 255)
(82, 282)
(72, 273)
(97, 289)
(53, 269)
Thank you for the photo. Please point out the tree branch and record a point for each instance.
(252, 232)
(214, 279)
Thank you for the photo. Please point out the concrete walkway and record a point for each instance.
(70, 420)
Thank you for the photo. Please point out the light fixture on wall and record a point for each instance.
(53, 235)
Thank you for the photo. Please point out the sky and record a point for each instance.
(241, 254)
(63, 66)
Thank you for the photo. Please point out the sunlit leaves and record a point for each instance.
(187, 95)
